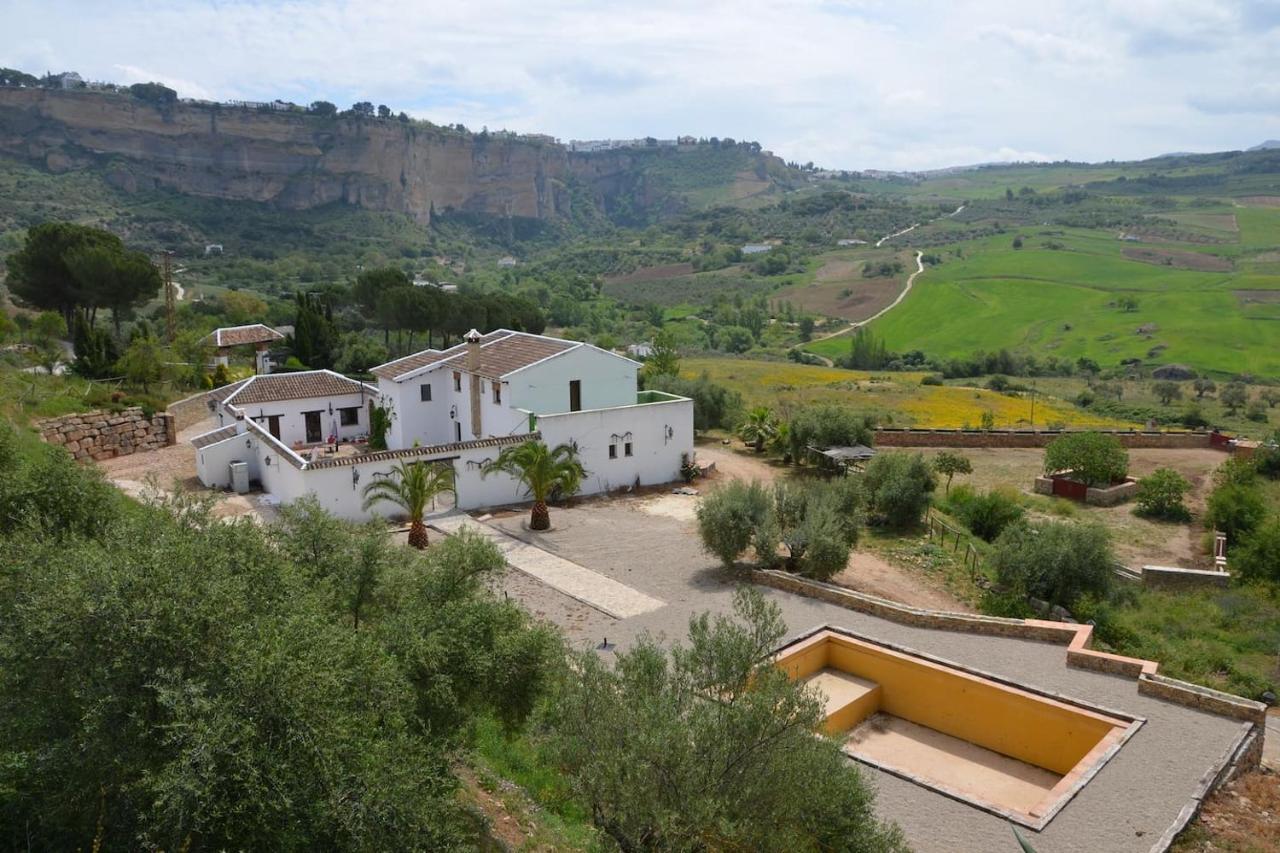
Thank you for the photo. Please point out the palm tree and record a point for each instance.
(759, 428)
(542, 471)
(411, 486)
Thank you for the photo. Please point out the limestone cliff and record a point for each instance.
(299, 161)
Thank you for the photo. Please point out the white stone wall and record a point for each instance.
(607, 380)
(659, 434)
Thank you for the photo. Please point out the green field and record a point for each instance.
(1063, 301)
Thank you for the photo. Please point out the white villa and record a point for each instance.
(306, 433)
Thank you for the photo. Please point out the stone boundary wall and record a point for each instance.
(1169, 577)
(1076, 637)
(106, 435)
(889, 437)
(190, 411)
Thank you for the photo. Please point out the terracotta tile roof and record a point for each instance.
(510, 353)
(296, 386)
(221, 394)
(419, 360)
(416, 452)
(408, 364)
(234, 336)
(205, 439)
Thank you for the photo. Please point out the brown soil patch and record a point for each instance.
(1242, 816)
(873, 575)
(1258, 297)
(1259, 201)
(866, 297)
(651, 274)
(1180, 260)
(733, 463)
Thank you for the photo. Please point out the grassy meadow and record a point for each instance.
(1060, 295)
(896, 399)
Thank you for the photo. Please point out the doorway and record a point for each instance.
(575, 395)
(273, 426)
(312, 421)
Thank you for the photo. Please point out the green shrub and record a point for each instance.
(729, 517)
(1257, 557)
(1093, 458)
(897, 488)
(827, 426)
(1235, 510)
(1054, 561)
(986, 515)
(714, 406)
(931, 379)
(1160, 495)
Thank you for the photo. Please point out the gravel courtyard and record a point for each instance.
(1127, 806)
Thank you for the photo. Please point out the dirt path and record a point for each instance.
(734, 465)
(873, 575)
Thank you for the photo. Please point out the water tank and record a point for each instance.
(240, 477)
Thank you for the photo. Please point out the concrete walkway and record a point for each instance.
(592, 588)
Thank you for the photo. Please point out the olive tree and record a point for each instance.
(1093, 458)
(1160, 495)
(709, 745)
(1054, 561)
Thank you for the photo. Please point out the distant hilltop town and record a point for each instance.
(161, 94)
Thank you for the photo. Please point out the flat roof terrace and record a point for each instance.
(1004, 748)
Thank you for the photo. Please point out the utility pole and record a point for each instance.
(170, 299)
(1033, 405)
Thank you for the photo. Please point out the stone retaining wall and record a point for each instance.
(1169, 577)
(1027, 438)
(190, 411)
(105, 435)
(1076, 637)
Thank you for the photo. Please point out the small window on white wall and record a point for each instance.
(497, 393)
(613, 451)
(426, 392)
(626, 449)
(457, 381)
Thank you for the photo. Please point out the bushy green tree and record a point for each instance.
(948, 463)
(664, 359)
(729, 517)
(143, 363)
(709, 746)
(897, 487)
(1093, 458)
(1160, 495)
(306, 688)
(1257, 557)
(986, 514)
(1234, 395)
(1167, 391)
(714, 406)
(825, 426)
(1235, 509)
(1054, 561)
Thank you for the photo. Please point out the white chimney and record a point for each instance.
(473, 368)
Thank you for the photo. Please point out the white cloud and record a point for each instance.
(846, 83)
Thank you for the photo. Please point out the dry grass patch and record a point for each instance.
(1240, 817)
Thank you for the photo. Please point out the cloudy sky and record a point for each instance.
(896, 84)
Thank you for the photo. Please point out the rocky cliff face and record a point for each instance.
(296, 161)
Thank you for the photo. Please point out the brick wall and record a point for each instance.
(105, 435)
(1013, 438)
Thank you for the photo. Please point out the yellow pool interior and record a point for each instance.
(1001, 747)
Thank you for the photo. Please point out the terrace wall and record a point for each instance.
(105, 435)
(190, 411)
(891, 437)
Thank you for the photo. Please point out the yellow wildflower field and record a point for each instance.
(896, 399)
